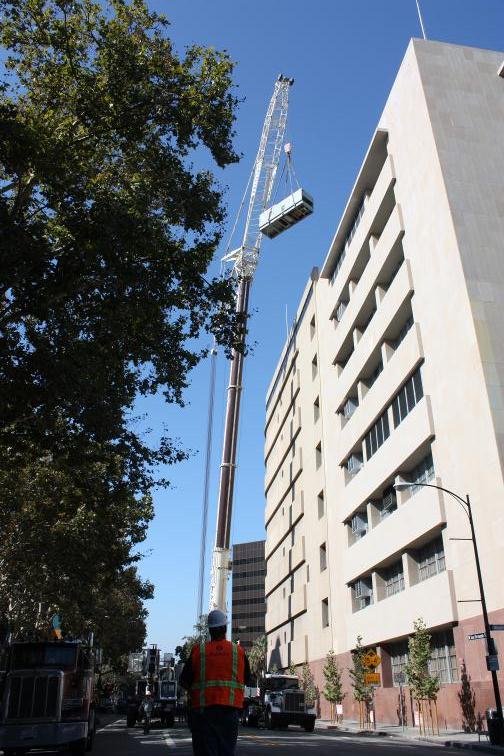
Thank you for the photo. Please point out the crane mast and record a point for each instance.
(244, 261)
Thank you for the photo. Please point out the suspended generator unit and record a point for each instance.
(286, 213)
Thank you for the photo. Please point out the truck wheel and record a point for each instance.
(309, 726)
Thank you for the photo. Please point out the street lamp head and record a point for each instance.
(402, 485)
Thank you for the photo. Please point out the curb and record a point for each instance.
(481, 747)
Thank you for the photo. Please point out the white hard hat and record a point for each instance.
(217, 618)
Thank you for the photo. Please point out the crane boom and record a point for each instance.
(244, 260)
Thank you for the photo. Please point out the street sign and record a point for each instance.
(372, 678)
(496, 627)
(371, 660)
(477, 636)
(492, 662)
(399, 678)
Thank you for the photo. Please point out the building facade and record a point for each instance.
(248, 603)
(395, 367)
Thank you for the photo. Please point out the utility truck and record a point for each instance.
(47, 695)
(278, 702)
(161, 683)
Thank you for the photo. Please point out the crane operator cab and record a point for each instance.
(293, 208)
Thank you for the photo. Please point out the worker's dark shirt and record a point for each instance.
(187, 676)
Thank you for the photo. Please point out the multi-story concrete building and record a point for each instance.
(396, 367)
(248, 604)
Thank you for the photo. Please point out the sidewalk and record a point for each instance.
(451, 738)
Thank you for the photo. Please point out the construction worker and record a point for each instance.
(215, 675)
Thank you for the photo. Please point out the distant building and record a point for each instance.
(395, 367)
(248, 606)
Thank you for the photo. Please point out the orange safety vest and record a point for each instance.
(218, 674)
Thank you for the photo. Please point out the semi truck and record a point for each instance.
(278, 701)
(47, 695)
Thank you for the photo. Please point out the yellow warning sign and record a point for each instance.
(371, 660)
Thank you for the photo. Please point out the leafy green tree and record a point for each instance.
(308, 685)
(333, 690)
(292, 669)
(201, 634)
(422, 684)
(107, 232)
(361, 690)
(257, 656)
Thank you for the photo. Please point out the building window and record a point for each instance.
(353, 463)
(443, 661)
(321, 504)
(367, 321)
(406, 327)
(359, 524)
(363, 593)
(312, 327)
(354, 225)
(325, 612)
(422, 473)
(375, 437)
(323, 557)
(340, 309)
(314, 367)
(408, 397)
(388, 503)
(318, 455)
(350, 406)
(398, 660)
(374, 375)
(394, 579)
(431, 559)
(316, 409)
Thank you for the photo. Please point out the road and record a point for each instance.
(116, 740)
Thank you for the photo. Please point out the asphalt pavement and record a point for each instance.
(115, 739)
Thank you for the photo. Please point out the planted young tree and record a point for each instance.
(107, 232)
(424, 687)
(292, 669)
(308, 684)
(333, 689)
(362, 692)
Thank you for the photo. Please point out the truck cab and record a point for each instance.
(47, 692)
(278, 702)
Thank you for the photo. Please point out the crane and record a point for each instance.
(244, 260)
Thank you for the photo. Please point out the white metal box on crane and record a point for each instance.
(286, 213)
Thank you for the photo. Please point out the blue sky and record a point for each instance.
(343, 55)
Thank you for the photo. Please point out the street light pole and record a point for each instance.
(491, 650)
(489, 640)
